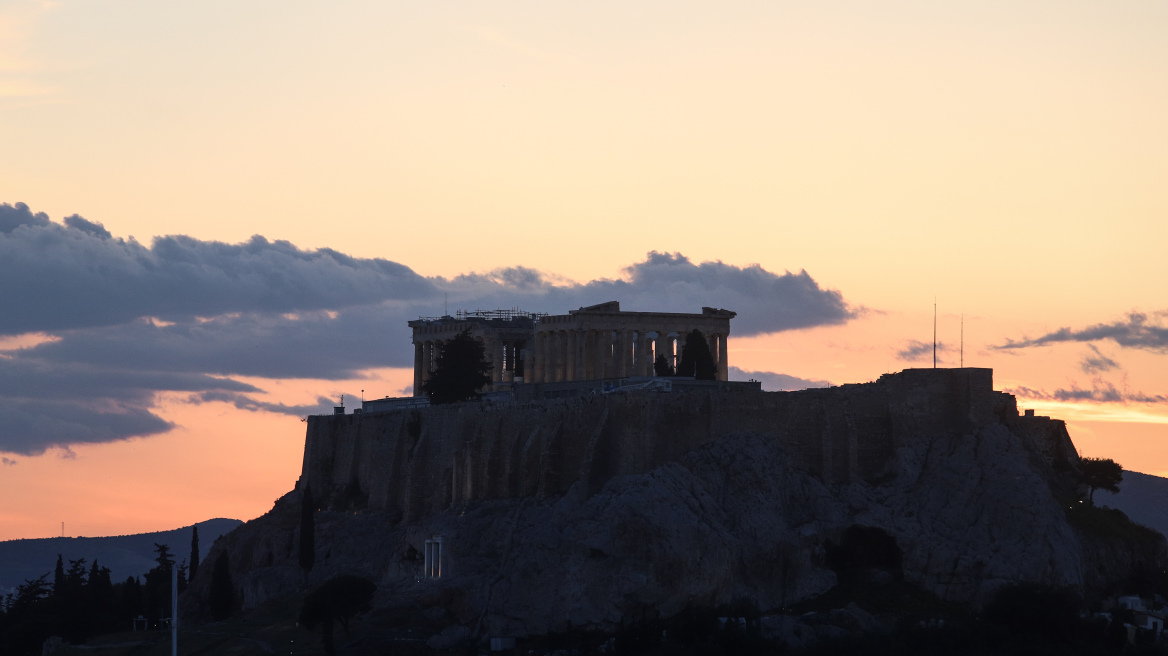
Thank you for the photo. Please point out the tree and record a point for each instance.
(194, 562)
(59, 576)
(337, 599)
(157, 591)
(461, 369)
(307, 532)
(221, 597)
(661, 366)
(1100, 474)
(696, 359)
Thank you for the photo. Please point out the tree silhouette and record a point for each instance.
(59, 575)
(307, 532)
(460, 371)
(221, 597)
(194, 566)
(661, 366)
(696, 359)
(338, 599)
(1100, 474)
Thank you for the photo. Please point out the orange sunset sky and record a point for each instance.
(825, 169)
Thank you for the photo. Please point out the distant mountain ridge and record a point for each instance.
(1142, 498)
(125, 555)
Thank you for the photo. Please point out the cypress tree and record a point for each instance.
(221, 598)
(194, 562)
(59, 577)
(696, 359)
(307, 532)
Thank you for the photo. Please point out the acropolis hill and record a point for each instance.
(517, 518)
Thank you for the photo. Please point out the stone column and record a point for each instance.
(644, 354)
(427, 359)
(723, 359)
(537, 367)
(419, 349)
(570, 364)
(626, 354)
(495, 357)
(590, 354)
(562, 352)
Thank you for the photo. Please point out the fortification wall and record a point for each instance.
(420, 462)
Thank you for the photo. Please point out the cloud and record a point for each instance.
(323, 405)
(1100, 392)
(9, 461)
(31, 427)
(1134, 331)
(775, 382)
(918, 350)
(15, 216)
(118, 322)
(1095, 362)
(77, 276)
(45, 404)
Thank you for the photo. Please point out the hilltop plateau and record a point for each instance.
(595, 512)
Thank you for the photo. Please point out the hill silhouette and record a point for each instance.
(125, 555)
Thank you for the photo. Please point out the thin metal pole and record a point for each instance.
(934, 333)
(174, 609)
(963, 341)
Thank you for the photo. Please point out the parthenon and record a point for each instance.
(591, 343)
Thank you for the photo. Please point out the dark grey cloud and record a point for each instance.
(775, 382)
(1137, 330)
(766, 302)
(29, 427)
(1100, 392)
(323, 405)
(77, 276)
(9, 461)
(47, 404)
(78, 222)
(15, 216)
(1096, 362)
(917, 350)
(130, 321)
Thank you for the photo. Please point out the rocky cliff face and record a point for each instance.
(589, 511)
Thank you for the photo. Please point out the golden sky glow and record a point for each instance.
(1008, 159)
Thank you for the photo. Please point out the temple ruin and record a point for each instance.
(592, 343)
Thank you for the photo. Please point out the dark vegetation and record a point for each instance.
(696, 359)
(661, 366)
(460, 370)
(1100, 474)
(307, 532)
(82, 602)
(338, 599)
(221, 597)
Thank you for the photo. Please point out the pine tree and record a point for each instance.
(194, 561)
(461, 369)
(307, 532)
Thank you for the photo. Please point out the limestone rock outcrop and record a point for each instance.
(592, 510)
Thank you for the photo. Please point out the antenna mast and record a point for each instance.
(934, 332)
(963, 340)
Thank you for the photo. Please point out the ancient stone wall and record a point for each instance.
(420, 462)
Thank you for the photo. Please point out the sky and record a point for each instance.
(216, 217)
